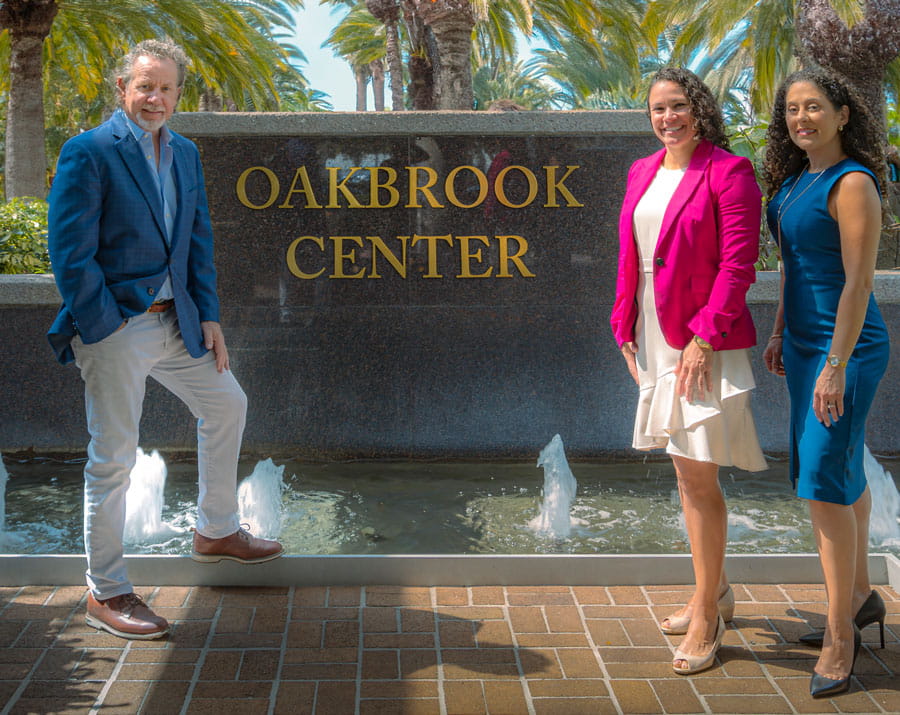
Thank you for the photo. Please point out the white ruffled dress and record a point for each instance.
(718, 429)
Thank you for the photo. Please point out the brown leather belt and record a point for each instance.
(161, 306)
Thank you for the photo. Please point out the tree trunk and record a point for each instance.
(362, 79)
(209, 101)
(395, 66)
(452, 22)
(388, 13)
(376, 68)
(861, 53)
(29, 23)
(421, 65)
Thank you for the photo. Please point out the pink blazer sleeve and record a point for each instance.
(724, 321)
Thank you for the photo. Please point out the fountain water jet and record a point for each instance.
(260, 499)
(884, 524)
(144, 501)
(554, 520)
(4, 478)
(8, 540)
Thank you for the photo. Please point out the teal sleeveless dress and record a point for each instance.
(826, 463)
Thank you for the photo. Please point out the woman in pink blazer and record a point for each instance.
(688, 236)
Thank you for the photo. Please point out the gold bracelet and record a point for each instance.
(779, 336)
(702, 343)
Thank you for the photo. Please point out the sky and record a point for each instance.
(324, 71)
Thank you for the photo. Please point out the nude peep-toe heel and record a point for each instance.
(678, 625)
(698, 663)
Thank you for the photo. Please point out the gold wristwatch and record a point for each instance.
(705, 345)
(835, 361)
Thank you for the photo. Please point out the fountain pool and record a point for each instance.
(439, 508)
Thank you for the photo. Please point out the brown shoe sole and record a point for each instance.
(216, 558)
(103, 626)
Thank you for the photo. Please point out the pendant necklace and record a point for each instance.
(785, 205)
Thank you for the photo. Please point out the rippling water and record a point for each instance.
(414, 507)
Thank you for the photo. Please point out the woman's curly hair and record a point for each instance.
(704, 107)
(861, 138)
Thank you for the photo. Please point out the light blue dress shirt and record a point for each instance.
(164, 180)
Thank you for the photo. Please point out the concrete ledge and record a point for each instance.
(437, 570)
(21, 290)
(28, 289)
(768, 284)
(338, 124)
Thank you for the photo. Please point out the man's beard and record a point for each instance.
(149, 125)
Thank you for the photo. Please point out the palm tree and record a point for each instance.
(228, 41)
(360, 39)
(442, 34)
(522, 82)
(769, 35)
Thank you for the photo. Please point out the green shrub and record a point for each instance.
(23, 237)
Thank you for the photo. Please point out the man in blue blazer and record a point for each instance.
(132, 251)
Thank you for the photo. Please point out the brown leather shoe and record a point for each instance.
(239, 546)
(126, 616)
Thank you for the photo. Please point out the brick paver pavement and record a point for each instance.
(551, 649)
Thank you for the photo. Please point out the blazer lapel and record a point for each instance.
(686, 188)
(181, 170)
(133, 157)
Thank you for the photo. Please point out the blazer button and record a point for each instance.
(151, 291)
(660, 262)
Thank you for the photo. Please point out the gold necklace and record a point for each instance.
(785, 205)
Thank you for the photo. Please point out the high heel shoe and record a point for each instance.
(872, 610)
(822, 687)
(696, 663)
(678, 625)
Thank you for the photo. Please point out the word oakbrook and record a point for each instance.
(511, 187)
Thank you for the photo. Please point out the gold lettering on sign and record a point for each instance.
(241, 187)
(431, 243)
(334, 186)
(501, 192)
(292, 257)
(553, 185)
(415, 188)
(465, 255)
(375, 187)
(385, 194)
(516, 258)
(345, 264)
(379, 246)
(450, 186)
(306, 189)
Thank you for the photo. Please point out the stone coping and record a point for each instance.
(438, 570)
(337, 124)
(40, 290)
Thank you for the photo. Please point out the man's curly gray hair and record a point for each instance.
(160, 49)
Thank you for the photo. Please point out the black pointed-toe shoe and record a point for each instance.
(822, 687)
(873, 610)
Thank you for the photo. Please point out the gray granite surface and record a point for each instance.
(364, 330)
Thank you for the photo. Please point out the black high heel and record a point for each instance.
(822, 687)
(872, 610)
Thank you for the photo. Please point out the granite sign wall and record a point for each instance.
(401, 292)
(410, 284)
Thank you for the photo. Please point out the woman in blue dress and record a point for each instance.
(824, 170)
